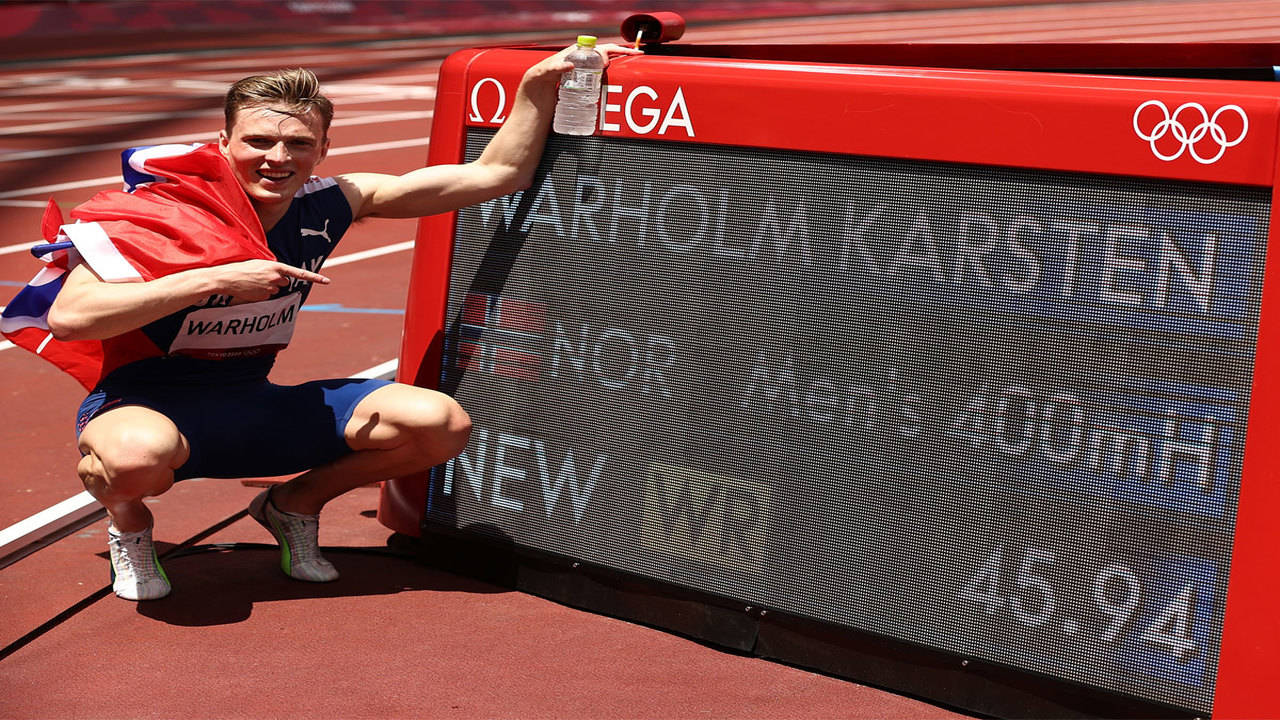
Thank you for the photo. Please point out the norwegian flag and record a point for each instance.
(502, 336)
(181, 208)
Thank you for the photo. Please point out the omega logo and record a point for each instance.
(498, 115)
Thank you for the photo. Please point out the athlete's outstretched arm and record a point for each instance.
(506, 165)
(87, 308)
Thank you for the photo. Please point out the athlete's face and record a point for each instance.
(273, 154)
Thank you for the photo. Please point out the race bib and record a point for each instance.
(238, 330)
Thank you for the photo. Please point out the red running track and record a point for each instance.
(392, 638)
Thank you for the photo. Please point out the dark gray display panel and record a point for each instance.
(994, 412)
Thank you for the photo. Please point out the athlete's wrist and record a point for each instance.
(193, 286)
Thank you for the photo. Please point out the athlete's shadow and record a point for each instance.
(503, 250)
(219, 585)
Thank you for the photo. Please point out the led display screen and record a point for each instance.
(995, 412)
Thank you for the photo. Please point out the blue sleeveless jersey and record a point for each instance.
(216, 341)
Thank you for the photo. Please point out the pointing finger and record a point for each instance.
(301, 274)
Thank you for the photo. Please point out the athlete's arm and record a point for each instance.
(506, 165)
(87, 308)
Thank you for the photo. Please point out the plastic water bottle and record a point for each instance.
(577, 109)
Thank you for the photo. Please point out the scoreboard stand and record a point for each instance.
(949, 369)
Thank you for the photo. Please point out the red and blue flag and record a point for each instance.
(181, 209)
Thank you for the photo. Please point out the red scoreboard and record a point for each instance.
(959, 353)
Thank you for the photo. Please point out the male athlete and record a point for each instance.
(204, 407)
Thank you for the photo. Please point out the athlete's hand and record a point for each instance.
(549, 70)
(256, 280)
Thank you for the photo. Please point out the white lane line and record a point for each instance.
(315, 62)
(18, 539)
(413, 79)
(372, 118)
(42, 189)
(281, 56)
(128, 91)
(104, 119)
(23, 203)
(21, 110)
(115, 179)
(385, 371)
(94, 119)
(344, 91)
(53, 523)
(366, 254)
(377, 147)
(6, 345)
(20, 247)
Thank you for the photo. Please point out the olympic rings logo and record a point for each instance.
(1207, 126)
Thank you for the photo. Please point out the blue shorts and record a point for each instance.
(247, 429)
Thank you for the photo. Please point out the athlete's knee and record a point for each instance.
(131, 460)
(454, 432)
(429, 424)
(125, 473)
(440, 428)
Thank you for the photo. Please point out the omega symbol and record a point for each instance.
(1202, 125)
(475, 115)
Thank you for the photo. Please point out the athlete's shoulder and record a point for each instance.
(325, 197)
(315, 185)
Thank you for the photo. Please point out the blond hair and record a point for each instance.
(293, 92)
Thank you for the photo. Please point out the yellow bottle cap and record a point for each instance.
(587, 40)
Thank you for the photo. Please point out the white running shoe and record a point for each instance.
(135, 570)
(299, 538)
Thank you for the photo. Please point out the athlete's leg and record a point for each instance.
(130, 453)
(395, 430)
